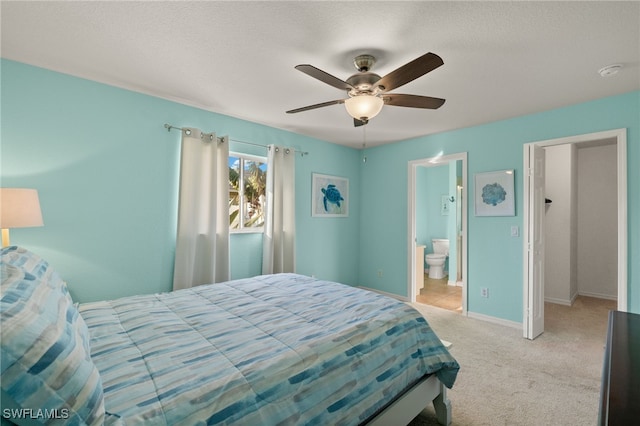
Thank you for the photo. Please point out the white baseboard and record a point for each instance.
(507, 323)
(573, 298)
(598, 295)
(395, 296)
(564, 302)
(558, 301)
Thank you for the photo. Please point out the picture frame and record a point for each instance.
(494, 193)
(329, 196)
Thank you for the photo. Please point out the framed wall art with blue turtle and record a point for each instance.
(329, 196)
(494, 193)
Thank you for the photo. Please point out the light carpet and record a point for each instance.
(508, 380)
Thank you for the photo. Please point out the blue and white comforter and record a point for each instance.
(279, 349)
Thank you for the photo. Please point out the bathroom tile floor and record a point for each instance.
(438, 293)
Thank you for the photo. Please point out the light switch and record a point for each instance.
(515, 231)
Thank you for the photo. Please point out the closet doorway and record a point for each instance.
(440, 215)
(535, 212)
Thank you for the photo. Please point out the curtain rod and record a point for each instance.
(169, 127)
(187, 131)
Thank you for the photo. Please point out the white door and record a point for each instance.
(535, 245)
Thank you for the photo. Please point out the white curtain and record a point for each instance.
(278, 253)
(202, 246)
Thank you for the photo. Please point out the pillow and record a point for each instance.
(31, 263)
(46, 362)
(24, 259)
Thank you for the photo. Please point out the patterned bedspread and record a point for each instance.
(270, 350)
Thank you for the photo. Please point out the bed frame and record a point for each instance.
(406, 407)
(400, 412)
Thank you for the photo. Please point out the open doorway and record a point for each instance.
(437, 215)
(565, 214)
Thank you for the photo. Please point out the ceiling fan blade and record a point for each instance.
(358, 123)
(324, 77)
(412, 101)
(323, 104)
(410, 71)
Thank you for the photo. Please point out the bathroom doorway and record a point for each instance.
(438, 210)
(585, 248)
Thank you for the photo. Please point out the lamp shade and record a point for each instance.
(363, 106)
(19, 208)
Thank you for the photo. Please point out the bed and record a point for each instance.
(283, 349)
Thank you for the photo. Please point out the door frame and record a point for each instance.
(620, 136)
(439, 160)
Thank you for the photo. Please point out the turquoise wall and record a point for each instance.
(107, 174)
(246, 249)
(494, 257)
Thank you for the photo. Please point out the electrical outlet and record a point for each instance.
(484, 292)
(379, 273)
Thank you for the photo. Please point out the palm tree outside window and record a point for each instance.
(247, 185)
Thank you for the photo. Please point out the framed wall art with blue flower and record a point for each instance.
(494, 193)
(329, 196)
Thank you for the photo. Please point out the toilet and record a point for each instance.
(436, 259)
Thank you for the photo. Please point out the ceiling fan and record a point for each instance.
(368, 92)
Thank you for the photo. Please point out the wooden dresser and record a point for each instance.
(620, 389)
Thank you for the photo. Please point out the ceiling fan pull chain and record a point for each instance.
(364, 143)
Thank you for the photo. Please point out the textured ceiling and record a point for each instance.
(501, 59)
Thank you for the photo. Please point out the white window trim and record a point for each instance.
(251, 230)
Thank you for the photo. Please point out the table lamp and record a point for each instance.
(19, 208)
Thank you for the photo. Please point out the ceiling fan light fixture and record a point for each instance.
(363, 106)
(368, 91)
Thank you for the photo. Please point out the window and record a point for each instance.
(247, 185)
